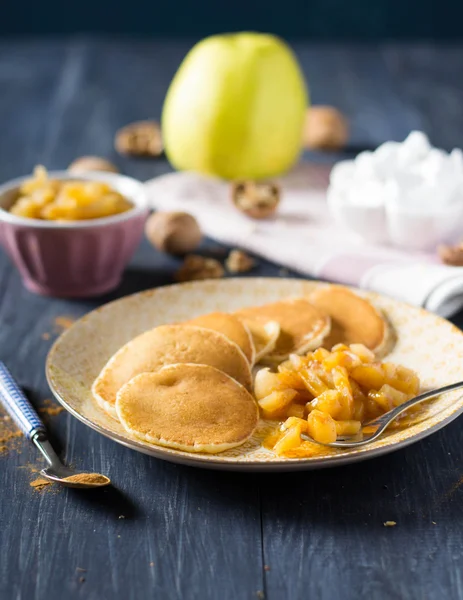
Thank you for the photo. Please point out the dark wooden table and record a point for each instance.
(166, 531)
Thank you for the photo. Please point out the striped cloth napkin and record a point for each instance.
(304, 237)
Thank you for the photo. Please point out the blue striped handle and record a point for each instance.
(17, 405)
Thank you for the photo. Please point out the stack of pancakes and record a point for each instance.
(188, 385)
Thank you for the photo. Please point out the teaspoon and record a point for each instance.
(28, 421)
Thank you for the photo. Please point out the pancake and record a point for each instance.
(195, 408)
(302, 326)
(230, 326)
(354, 320)
(264, 337)
(165, 345)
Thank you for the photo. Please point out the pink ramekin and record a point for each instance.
(76, 258)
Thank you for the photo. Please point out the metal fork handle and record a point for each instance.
(18, 406)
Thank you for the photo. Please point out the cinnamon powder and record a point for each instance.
(50, 408)
(87, 478)
(10, 436)
(63, 322)
(60, 324)
(39, 483)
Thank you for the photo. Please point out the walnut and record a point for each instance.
(173, 232)
(92, 163)
(197, 267)
(239, 262)
(325, 128)
(142, 138)
(258, 200)
(451, 255)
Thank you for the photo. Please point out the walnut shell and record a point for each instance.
(142, 138)
(239, 262)
(173, 232)
(258, 200)
(92, 163)
(325, 128)
(451, 255)
(197, 267)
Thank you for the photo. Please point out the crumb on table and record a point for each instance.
(196, 267)
(389, 523)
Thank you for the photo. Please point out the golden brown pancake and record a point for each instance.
(353, 319)
(195, 408)
(230, 326)
(165, 345)
(264, 337)
(302, 326)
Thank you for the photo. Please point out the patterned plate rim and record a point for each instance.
(230, 463)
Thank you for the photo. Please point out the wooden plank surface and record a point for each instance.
(173, 532)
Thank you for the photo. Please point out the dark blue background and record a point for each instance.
(313, 19)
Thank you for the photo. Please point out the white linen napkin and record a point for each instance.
(304, 237)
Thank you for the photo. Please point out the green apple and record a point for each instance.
(235, 108)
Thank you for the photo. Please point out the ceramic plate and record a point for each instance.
(426, 343)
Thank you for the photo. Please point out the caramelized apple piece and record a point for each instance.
(357, 391)
(321, 427)
(291, 379)
(351, 427)
(329, 402)
(275, 403)
(412, 380)
(299, 362)
(313, 382)
(387, 397)
(396, 397)
(370, 377)
(324, 374)
(341, 358)
(320, 354)
(360, 399)
(339, 348)
(265, 383)
(289, 440)
(401, 378)
(342, 384)
(285, 366)
(364, 353)
(296, 422)
(303, 397)
(372, 408)
(296, 410)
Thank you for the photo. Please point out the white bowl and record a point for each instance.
(382, 221)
